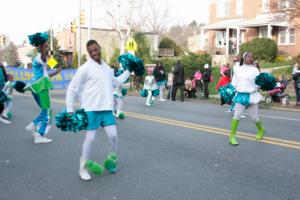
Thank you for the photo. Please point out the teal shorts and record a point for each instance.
(100, 118)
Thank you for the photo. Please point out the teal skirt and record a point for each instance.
(242, 98)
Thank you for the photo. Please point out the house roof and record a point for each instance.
(264, 20)
(229, 23)
(260, 20)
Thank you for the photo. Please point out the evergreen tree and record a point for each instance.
(143, 47)
(114, 59)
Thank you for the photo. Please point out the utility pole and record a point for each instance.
(90, 22)
(79, 35)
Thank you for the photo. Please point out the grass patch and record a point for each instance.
(277, 64)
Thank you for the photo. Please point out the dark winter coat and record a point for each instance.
(178, 74)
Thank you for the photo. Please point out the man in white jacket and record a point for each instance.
(93, 86)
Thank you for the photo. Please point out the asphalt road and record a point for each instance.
(172, 150)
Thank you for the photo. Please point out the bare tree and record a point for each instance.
(156, 17)
(286, 10)
(122, 17)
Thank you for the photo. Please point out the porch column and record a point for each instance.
(269, 31)
(238, 32)
(202, 39)
(227, 41)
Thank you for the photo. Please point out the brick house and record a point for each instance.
(233, 22)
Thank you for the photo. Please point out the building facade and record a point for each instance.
(233, 22)
(107, 38)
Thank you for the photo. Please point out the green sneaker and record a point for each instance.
(233, 141)
(94, 167)
(121, 115)
(111, 163)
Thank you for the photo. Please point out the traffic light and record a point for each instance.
(2, 40)
(82, 18)
(73, 26)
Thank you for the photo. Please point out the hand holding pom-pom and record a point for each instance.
(132, 63)
(74, 122)
(266, 81)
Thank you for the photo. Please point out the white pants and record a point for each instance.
(7, 107)
(161, 91)
(252, 111)
(149, 98)
(118, 104)
(111, 132)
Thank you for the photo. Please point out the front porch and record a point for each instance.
(226, 36)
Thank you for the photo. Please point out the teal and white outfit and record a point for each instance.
(39, 85)
(119, 94)
(93, 86)
(149, 86)
(8, 90)
(247, 96)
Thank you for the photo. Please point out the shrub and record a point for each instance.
(280, 58)
(191, 62)
(170, 44)
(263, 49)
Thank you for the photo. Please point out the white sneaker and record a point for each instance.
(162, 100)
(83, 172)
(243, 116)
(38, 139)
(31, 127)
(5, 121)
(147, 104)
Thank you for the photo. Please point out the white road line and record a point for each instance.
(283, 118)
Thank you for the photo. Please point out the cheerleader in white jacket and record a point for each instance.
(247, 96)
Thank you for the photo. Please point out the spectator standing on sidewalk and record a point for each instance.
(178, 81)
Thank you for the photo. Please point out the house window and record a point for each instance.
(220, 39)
(265, 6)
(283, 4)
(286, 36)
(239, 7)
(263, 32)
(223, 8)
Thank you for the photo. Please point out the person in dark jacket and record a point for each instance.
(296, 78)
(159, 74)
(206, 80)
(178, 81)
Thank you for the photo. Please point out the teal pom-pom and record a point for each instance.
(79, 120)
(227, 93)
(63, 121)
(19, 86)
(155, 92)
(144, 93)
(72, 122)
(132, 63)
(38, 39)
(266, 81)
(124, 92)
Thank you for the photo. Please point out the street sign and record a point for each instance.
(52, 62)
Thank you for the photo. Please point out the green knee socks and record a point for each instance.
(234, 126)
(261, 130)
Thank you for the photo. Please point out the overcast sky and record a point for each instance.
(19, 18)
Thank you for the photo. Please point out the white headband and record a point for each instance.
(244, 55)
